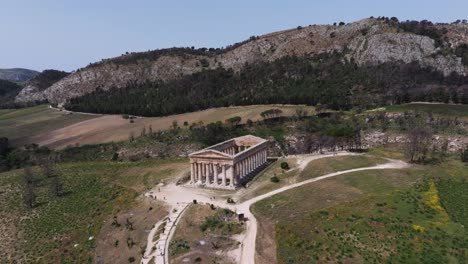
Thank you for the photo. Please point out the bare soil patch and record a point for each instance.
(209, 245)
(117, 242)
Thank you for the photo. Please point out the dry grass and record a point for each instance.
(114, 128)
(204, 245)
(290, 208)
(21, 124)
(111, 243)
(314, 169)
(154, 172)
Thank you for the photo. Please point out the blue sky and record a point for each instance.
(66, 34)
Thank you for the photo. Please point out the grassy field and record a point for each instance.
(416, 215)
(324, 166)
(57, 129)
(315, 168)
(19, 125)
(59, 228)
(437, 109)
(202, 233)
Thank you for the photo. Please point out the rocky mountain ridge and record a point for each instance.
(17, 74)
(366, 42)
(33, 89)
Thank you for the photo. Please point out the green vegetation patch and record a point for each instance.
(202, 232)
(454, 198)
(324, 166)
(179, 246)
(58, 229)
(381, 216)
(439, 109)
(222, 222)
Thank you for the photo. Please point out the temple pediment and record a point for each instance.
(209, 153)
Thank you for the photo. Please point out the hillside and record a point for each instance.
(8, 91)
(366, 46)
(17, 74)
(34, 87)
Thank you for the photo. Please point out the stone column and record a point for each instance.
(223, 179)
(241, 169)
(198, 172)
(192, 172)
(207, 172)
(215, 182)
(254, 164)
(231, 175)
(211, 174)
(246, 166)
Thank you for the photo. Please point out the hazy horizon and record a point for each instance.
(67, 36)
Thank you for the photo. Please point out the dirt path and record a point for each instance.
(248, 243)
(176, 195)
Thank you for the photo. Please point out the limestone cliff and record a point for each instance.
(369, 41)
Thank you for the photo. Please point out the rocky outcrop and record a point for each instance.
(34, 88)
(405, 47)
(369, 41)
(455, 143)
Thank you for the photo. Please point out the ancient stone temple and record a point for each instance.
(229, 163)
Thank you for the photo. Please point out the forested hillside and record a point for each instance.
(8, 91)
(325, 79)
(262, 69)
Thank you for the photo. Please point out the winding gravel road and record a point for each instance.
(175, 195)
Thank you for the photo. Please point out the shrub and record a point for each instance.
(125, 116)
(230, 200)
(211, 222)
(131, 259)
(274, 179)
(284, 165)
(179, 246)
(234, 120)
(204, 63)
(464, 156)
